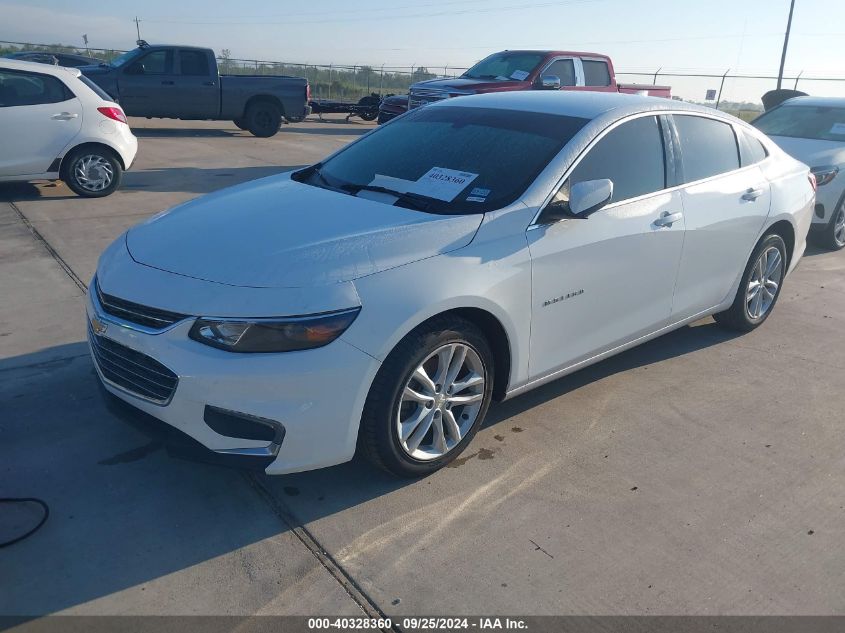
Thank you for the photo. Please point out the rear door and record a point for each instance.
(39, 116)
(196, 94)
(601, 281)
(146, 85)
(726, 201)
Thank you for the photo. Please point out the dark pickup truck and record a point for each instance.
(182, 82)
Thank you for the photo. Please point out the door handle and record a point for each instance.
(208, 83)
(752, 194)
(65, 116)
(668, 219)
(166, 83)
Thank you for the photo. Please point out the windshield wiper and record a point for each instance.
(413, 200)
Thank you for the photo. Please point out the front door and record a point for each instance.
(601, 281)
(146, 85)
(39, 116)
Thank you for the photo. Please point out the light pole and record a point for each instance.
(785, 43)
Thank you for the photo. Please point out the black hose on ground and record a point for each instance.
(33, 530)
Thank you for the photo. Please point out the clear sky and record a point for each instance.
(640, 35)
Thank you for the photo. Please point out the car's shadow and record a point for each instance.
(125, 514)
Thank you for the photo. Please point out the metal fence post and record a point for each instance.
(721, 85)
(331, 73)
(657, 72)
(381, 81)
(796, 80)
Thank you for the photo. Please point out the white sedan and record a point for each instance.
(57, 124)
(465, 252)
(812, 129)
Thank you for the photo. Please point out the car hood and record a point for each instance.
(469, 85)
(279, 233)
(812, 152)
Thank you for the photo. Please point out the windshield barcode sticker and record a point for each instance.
(519, 75)
(443, 184)
(838, 128)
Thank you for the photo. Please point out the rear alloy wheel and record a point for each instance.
(92, 172)
(760, 286)
(429, 398)
(263, 119)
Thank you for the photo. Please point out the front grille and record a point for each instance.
(424, 97)
(153, 318)
(133, 371)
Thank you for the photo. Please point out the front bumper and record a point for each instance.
(315, 397)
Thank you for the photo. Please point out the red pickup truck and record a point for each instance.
(531, 70)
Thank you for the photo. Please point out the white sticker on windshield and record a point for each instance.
(519, 75)
(443, 184)
(838, 128)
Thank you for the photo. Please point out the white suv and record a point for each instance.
(57, 124)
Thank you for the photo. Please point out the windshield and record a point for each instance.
(821, 123)
(503, 66)
(119, 61)
(458, 160)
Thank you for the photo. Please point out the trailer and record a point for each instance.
(366, 107)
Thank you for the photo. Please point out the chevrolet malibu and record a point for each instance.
(466, 252)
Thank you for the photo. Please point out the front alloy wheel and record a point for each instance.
(440, 402)
(429, 397)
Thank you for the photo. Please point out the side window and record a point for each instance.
(155, 63)
(751, 151)
(21, 89)
(596, 73)
(708, 147)
(630, 155)
(193, 63)
(563, 68)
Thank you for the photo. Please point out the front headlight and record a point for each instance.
(273, 335)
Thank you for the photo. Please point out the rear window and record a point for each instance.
(821, 123)
(751, 151)
(193, 63)
(499, 153)
(596, 73)
(708, 147)
(97, 90)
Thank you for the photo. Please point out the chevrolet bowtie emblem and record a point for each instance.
(98, 326)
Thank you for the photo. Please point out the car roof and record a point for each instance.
(838, 102)
(37, 67)
(585, 105)
(552, 52)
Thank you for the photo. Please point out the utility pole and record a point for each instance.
(785, 43)
(138, 26)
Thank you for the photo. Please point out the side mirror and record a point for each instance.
(550, 82)
(585, 198)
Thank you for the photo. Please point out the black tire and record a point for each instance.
(369, 116)
(738, 316)
(378, 437)
(73, 171)
(263, 119)
(240, 124)
(831, 236)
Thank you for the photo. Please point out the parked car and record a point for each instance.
(183, 82)
(812, 129)
(57, 59)
(510, 71)
(56, 124)
(468, 251)
(391, 107)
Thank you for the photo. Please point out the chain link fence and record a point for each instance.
(738, 94)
